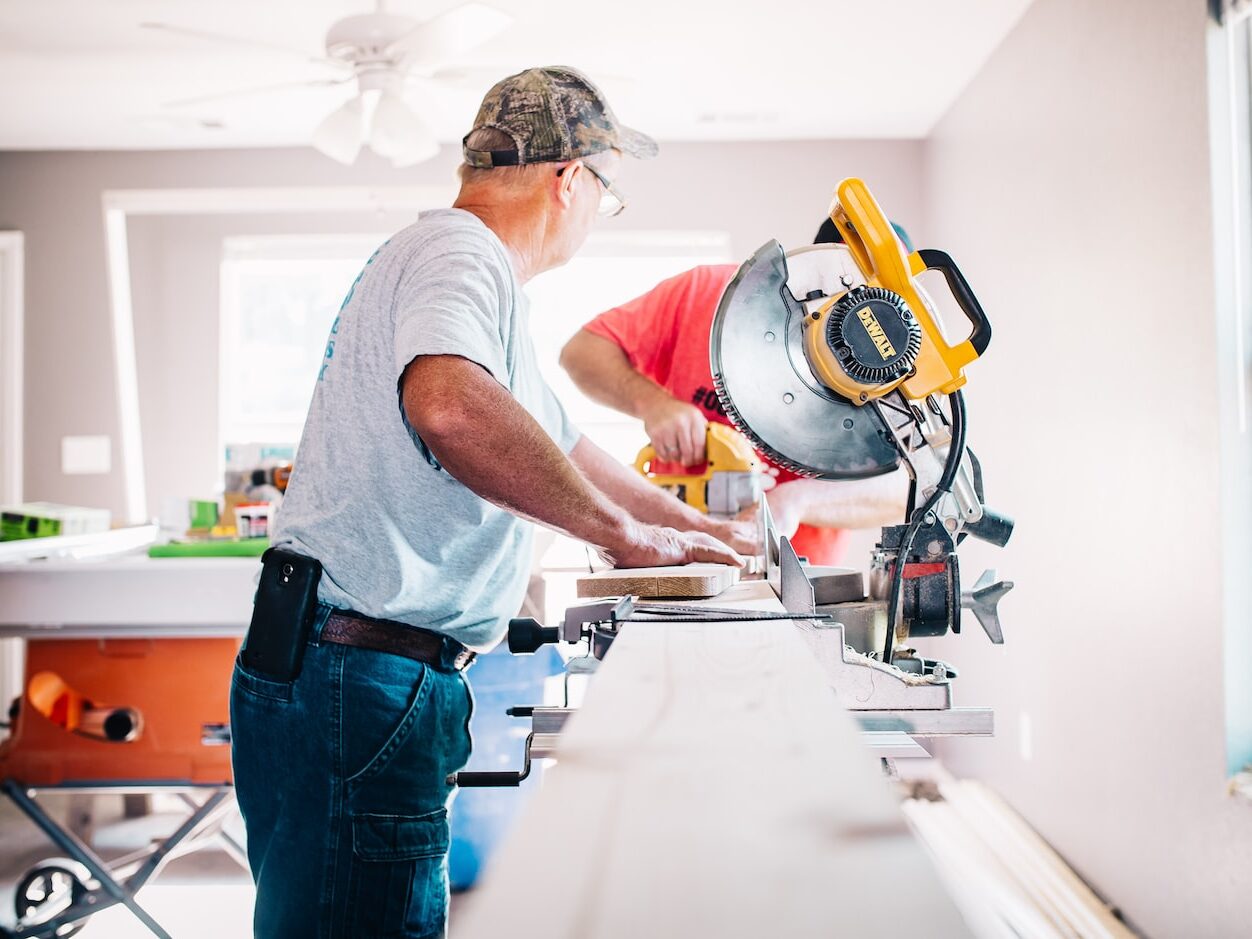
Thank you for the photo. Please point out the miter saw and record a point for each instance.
(832, 361)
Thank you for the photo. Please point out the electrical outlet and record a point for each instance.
(86, 456)
(1025, 737)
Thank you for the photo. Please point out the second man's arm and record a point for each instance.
(600, 368)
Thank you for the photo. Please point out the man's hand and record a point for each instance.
(656, 546)
(743, 533)
(677, 430)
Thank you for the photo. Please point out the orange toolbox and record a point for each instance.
(118, 715)
(122, 710)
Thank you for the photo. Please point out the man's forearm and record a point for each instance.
(491, 444)
(632, 492)
(603, 373)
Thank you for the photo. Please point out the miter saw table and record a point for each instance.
(896, 710)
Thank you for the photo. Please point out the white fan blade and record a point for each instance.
(339, 135)
(210, 36)
(399, 135)
(263, 89)
(450, 34)
(483, 77)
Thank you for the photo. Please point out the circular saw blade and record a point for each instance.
(767, 388)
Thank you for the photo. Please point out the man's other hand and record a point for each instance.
(743, 533)
(655, 546)
(677, 431)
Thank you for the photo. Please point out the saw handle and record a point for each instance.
(940, 261)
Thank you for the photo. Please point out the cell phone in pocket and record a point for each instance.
(282, 615)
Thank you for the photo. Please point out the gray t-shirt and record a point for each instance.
(398, 537)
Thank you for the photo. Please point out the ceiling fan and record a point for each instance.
(384, 54)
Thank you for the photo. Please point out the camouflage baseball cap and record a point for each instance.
(553, 114)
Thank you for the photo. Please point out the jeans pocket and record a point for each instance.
(259, 687)
(381, 705)
(398, 881)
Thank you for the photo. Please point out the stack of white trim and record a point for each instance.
(1005, 879)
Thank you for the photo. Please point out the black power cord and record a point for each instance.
(956, 401)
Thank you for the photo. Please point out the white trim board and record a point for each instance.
(12, 357)
(119, 204)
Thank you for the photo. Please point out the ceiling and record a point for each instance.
(82, 74)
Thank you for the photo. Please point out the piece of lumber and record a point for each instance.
(688, 581)
(711, 786)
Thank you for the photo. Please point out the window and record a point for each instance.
(611, 269)
(1230, 90)
(279, 297)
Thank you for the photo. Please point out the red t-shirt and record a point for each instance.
(665, 335)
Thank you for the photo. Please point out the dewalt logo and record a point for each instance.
(875, 330)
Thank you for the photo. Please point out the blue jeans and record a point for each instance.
(340, 776)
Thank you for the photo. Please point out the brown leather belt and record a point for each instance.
(382, 635)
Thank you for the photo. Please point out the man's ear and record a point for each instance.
(566, 182)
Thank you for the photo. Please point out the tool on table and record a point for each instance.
(49, 519)
(728, 482)
(832, 361)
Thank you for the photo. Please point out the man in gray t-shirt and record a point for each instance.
(431, 445)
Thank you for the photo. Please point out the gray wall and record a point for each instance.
(754, 191)
(1071, 180)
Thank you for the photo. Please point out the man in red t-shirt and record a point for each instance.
(650, 358)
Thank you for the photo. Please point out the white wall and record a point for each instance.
(1071, 181)
(754, 191)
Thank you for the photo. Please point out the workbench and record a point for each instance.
(151, 641)
(711, 786)
(131, 596)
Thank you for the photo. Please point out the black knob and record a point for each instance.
(526, 635)
(121, 726)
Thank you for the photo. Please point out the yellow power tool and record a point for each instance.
(729, 481)
(833, 361)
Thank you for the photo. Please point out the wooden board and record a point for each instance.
(688, 581)
(710, 786)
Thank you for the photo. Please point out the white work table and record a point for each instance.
(711, 786)
(127, 596)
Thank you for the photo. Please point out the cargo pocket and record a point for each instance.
(399, 881)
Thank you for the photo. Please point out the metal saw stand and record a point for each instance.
(74, 891)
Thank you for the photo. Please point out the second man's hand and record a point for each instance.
(678, 430)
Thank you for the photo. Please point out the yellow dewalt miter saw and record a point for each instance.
(833, 361)
(729, 481)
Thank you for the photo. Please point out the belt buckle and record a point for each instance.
(463, 660)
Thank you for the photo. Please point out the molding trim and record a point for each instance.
(12, 358)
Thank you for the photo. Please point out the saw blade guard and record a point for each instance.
(764, 380)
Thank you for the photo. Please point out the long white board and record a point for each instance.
(711, 786)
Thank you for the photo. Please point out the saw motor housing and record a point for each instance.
(882, 335)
